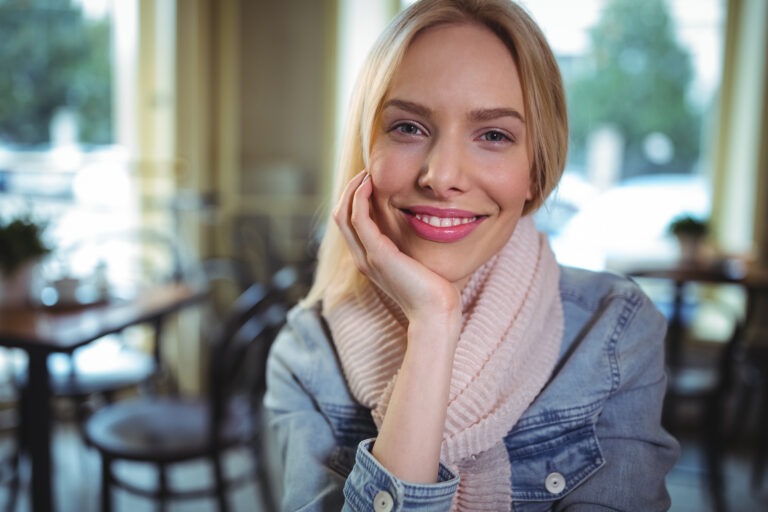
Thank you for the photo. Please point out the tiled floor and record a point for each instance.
(77, 483)
(687, 483)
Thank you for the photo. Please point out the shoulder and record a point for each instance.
(302, 338)
(613, 339)
(613, 331)
(303, 349)
(590, 290)
(603, 300)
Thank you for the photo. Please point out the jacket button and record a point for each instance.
(554, 483)
(382, 502)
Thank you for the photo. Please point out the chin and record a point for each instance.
(448, 270)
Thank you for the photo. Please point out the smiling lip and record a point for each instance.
(442, 225)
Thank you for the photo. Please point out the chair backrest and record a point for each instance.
(228, 269)
(226, 278)
(748, 343)
(756, 320)
(237, 363)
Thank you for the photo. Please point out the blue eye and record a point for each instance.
(495, 136)
(407, 129)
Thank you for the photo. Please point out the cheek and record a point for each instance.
(511, 186)
(382, 168)
(390, 170)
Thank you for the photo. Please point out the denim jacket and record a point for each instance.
(591, 440)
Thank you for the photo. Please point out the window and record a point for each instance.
(61, 154)
(56, 89)
(641, 80)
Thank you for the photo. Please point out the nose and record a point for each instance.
(444, 172)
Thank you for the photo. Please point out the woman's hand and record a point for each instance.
(422, 294)
(410, 436)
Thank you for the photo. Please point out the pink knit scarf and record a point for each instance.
(509, 343)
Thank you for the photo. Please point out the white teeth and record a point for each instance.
(444, 222)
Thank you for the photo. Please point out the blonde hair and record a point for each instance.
(543, 96)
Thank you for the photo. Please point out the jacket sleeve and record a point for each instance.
(316, 465)
(638, 452)
(370, 483)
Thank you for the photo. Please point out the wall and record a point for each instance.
(286, 93)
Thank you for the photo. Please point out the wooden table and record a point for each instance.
(753, 279)
(41, 332)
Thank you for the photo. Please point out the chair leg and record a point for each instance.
(163, 490)
(221, 484)
(742, 405)
(21, 434)
(106, 484)
(714, 448)
(761, 452)
(14, 466)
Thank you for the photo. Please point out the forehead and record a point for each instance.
(463, 33)
(466, 59)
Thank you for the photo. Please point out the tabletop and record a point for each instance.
(725, 271)
(65, 329)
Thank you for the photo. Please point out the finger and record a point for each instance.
(343, 208)
(382, 256)
(360, 218)
(342, 214)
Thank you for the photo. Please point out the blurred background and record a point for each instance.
(219, 120)
(215, 123)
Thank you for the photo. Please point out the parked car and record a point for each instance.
(626, 226)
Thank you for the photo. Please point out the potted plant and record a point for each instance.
(690, 232)
(21, 246)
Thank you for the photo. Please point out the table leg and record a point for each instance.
(676, 328)
(674, 342)
(36, 422)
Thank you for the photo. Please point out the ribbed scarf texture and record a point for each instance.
(510, 339)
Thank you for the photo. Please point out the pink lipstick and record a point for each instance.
(442, 225)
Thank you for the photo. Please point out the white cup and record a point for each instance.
(66, 288)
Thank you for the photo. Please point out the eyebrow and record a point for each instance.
(408, 106)
(488, 114)
(483, 114)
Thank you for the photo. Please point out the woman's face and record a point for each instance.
(450, 164)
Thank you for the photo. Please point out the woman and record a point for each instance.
(442, 359)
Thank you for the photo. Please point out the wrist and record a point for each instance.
(434, 336)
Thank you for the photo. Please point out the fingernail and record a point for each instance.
(365, 178)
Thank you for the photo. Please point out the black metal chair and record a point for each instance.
(740, 400)
(163, 431)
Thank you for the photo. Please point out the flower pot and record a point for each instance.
(691, 248)
(15, 288)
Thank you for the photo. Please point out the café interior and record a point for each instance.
(181, 225)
